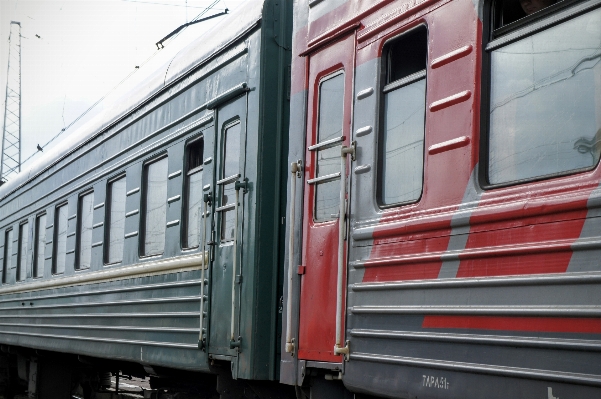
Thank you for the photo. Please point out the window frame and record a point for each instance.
(55, 237)
(556, 14)
(195, 139)
(228, 124)
(20, 249)
(143, 195)
(78, 227)
(35, 267)
(6, 255)
(107, 219)
(385, 88)
(327, 76)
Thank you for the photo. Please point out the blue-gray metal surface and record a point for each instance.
(146, 309)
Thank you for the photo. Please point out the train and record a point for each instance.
(325, 199)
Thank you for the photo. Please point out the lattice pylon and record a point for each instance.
(10, 162)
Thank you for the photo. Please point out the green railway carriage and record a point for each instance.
(149, 240)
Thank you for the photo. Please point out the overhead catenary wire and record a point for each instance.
(137, 67)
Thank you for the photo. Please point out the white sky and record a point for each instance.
(86, 47)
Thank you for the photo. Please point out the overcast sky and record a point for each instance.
(84, 49)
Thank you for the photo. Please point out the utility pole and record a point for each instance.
(10, 161)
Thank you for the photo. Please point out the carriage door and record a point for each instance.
(324, 245)
(227, 235)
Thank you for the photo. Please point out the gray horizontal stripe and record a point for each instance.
(499, 340)
(102, 315)
(549, 311)
(482, 253)
(95, 327)
(112, 303)
(550, 375)
(107, 340)
(539, 280)
(108, 291)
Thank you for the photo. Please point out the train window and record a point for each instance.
(402, 135)
(85, 214)
(544, 105)
(60, 239)
(115, 221)
(8, 254)
(230, 169)
(329, 126)
(154, 207)
(193, 199)
(508, 12)
(22, 251)
(39, 245)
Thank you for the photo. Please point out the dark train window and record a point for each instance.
(8, 254)
(154, 207)
(115, 221)
(85, 214)
(544, 102)
(507, 12)
(193, 199)
(230, 169)
(329, 127)
(39, 245)
(22, 251)
(401, 160)
(60, 239)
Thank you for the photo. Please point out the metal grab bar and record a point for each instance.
(295, 170)
(344, 151)
(324, 179)
(201, 341)
(233, 342)
(324, 145)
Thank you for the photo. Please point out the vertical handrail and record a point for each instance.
(235, 343)
(232, 337)
(294, 169)
(202, 275)
(338, 349)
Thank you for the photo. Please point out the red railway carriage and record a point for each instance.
(445, 230)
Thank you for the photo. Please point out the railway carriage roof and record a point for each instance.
(229, 28)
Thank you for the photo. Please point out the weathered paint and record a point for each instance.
(471, 290)
(152, 317)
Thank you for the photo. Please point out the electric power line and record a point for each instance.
(64, 129)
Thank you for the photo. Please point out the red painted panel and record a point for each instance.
(538, 324)
(317, 331)
(446, 174)
(545, 262)
(412, 271)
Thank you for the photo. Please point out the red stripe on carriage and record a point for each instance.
(539, 324)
